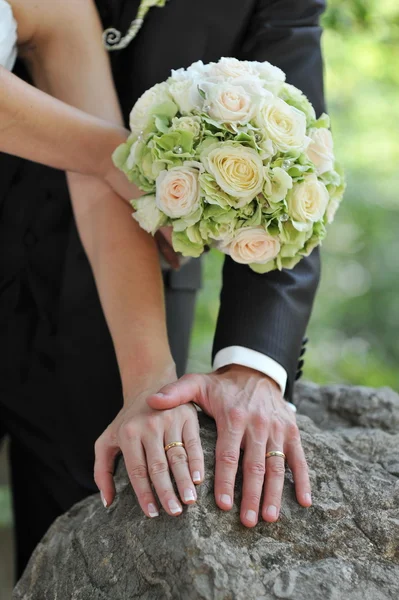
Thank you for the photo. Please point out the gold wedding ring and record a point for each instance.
(275, 453)
(173, 445)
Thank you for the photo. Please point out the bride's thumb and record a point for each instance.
(187, 389)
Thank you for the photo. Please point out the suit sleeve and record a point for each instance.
(269, 313)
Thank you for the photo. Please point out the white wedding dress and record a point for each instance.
(8, 36)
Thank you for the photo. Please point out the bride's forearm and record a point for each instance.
(126, 268)
(37, 127)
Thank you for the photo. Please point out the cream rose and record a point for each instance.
(307, 202)
(229, 103)
(141, 112)
(284, 124)
(230, 68)
(238, 170)
(321, 150)
(252, 245)
(178, 192)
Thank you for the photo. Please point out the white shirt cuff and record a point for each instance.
(246, 357)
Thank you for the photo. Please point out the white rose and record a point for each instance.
(321, 150)
(197, 70)
(238, 170)
(307, 202)
(183, 88)
(252, 245)
(284, 124)
(272, 76)
(178, 192)
(148, 216)
(141, 111)
(230, 68)
(229, 103)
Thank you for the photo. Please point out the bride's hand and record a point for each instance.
(141, 434)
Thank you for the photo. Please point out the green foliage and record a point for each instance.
(354, 329)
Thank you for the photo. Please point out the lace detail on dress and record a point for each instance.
(8, 36)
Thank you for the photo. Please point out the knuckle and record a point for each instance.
(226, 485)
(138, 472)
(192, 444)
(260, 421)
(256, 468)
(128, 431)
(252, 499)
(153, 423)
(293, 432)
(277, 427)
(177, 458)
(229, 457)
(236, 416)
(301, 465)
(276, 467)
(158, 467)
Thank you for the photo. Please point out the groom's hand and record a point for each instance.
(251, 414)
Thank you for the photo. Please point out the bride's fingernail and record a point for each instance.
(152, 511)
(189, 495)
(103, 500)
(174, 507)
(196, 477)
(308, 498)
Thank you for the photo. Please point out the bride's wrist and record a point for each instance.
(137, 385)
(105, 168)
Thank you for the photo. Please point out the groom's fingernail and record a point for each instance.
(160, 395)
(225, 499)
(103, 500)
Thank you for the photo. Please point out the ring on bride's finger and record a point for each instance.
(173, 445)
(275, 453)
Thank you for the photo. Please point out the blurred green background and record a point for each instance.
(354, 329)
(355, 325)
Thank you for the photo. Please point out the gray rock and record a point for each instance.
(345, 547)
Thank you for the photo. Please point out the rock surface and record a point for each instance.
(345, 547)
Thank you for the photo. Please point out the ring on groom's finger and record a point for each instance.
(275, 453)
(173, 445)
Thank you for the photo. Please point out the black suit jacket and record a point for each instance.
(268, 313)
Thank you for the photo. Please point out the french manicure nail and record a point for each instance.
(152, 511)
(174, 507)
(225, 499)
(251, 516)
(308, 498)
(103, 500)
(196, 476)
(272, 511)
(189, 495)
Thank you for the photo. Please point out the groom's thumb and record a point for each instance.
(188, 389)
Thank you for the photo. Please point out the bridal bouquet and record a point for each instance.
(231, 156)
